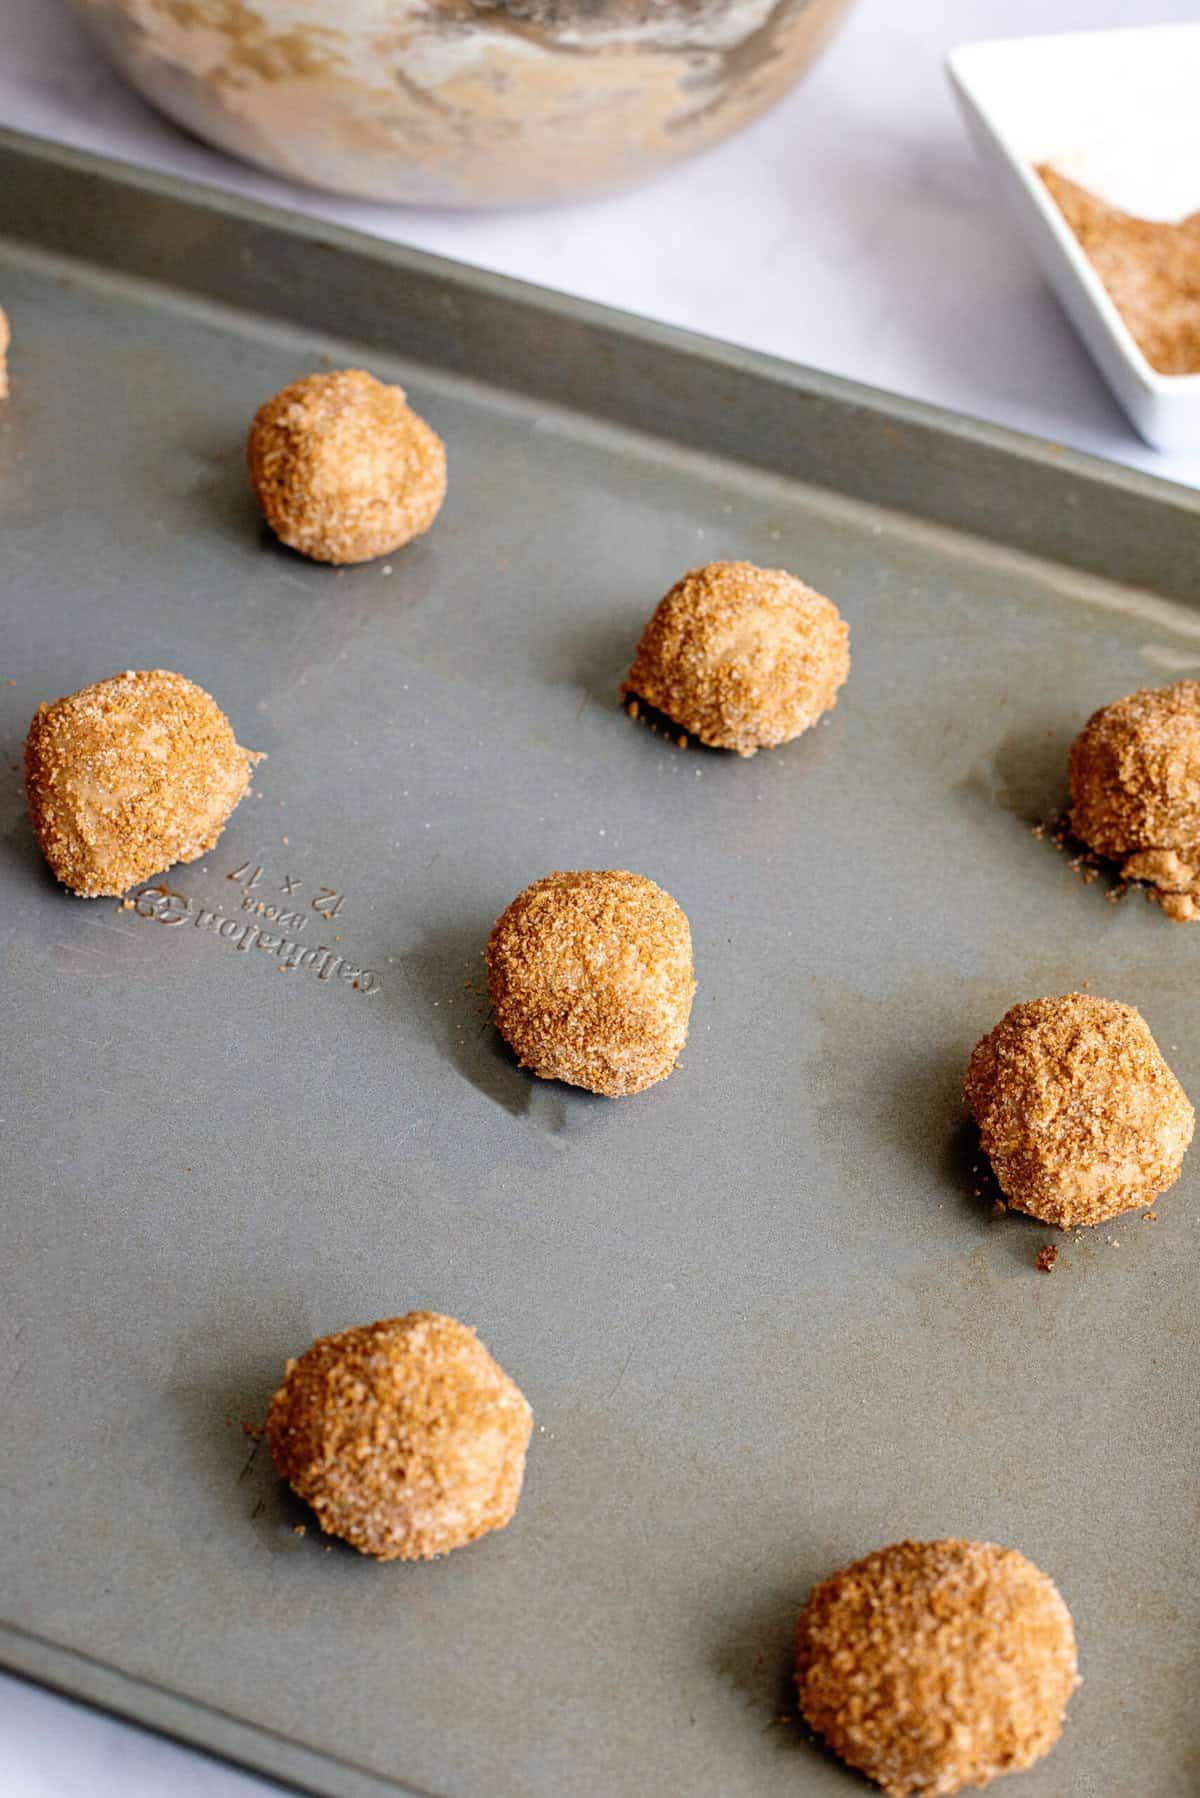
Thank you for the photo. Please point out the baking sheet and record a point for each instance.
(764, 1321)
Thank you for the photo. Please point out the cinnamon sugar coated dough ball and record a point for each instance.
(742, 657)
(591, 979)
(1135, 790)
(934, 1666)
(128, 776)
(344, 469)
(404, 1436)
(1079, 1113)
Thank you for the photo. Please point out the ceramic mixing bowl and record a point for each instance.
(463, 102)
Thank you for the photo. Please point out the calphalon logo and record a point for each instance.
(166, 906)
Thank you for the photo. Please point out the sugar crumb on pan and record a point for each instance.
(741, 657)
(934, 1666)
(404, 1436)
(590, 976)
(128, 776)
(344, 470)
(1077, 1109)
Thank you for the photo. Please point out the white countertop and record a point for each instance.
(851, 229)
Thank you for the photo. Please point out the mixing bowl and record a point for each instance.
(463, 102)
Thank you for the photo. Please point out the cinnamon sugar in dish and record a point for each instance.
(1150, 268)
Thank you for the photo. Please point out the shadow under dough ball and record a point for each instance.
(590, 975)
(1135, 791)
(1077, 1110)
(743, 658)
(933, 1666)
(344, 469)
(404, 1436)
(128, 776)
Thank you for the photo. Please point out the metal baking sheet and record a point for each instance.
(764, 1321)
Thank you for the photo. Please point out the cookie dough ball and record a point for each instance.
(404, 1436)
(591, 979)
(128, 776)
(1135, 790)
(932, 1666)
(344, 470)
(1135, 773)
(742, 657)
(1079, 1113)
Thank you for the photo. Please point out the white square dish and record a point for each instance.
(1116, 111)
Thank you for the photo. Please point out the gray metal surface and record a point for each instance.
(764, 1323)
